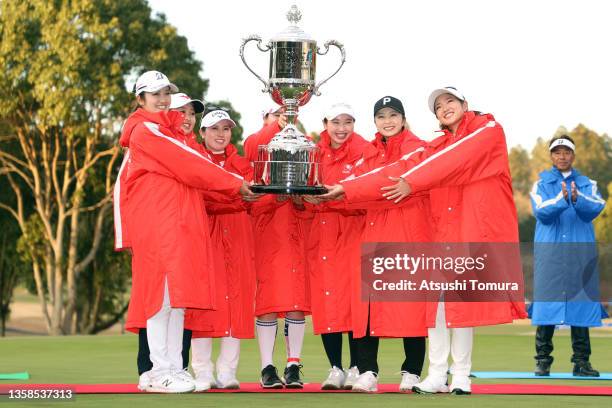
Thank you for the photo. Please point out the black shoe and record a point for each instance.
(542, 368)
(584, 369)
(269, 378)
(291, 378)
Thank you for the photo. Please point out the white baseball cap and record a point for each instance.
(153, 81)
(270, 109)
(562, 142)
(339, 109)
(178, 100)
(214, 117)
(441, 91)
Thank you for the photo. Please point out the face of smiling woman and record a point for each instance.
(339, 129)
(190, 117)
(154, 102)
(449, 111)
(217, 137)
(389, 122)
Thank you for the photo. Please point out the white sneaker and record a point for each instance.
(351, 376)
(227, 380)
(461, 385)
(366, 382)
(184, 375)
(335, 379)
(431, 385)
(408, 381)
(170, 383)
(144, 381)
(205, 381)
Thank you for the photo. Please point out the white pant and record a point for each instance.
(456, 341)
(165, 337)
(201, 355)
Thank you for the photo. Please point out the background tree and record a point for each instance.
(63, 97)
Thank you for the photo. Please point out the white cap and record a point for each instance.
(214, 117)
(562, 142)
(153, 81)
(270, 109)
(441, 91)
(178, 100)
(339, 109)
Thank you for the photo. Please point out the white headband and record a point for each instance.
(562, 142)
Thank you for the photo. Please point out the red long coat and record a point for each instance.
(165, 217)
(334, 237)
(410, 222)
(233, 246)
(470, 187)
(279, 230)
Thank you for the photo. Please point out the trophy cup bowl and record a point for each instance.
(289, 164)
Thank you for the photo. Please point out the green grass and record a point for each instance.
(112, 359)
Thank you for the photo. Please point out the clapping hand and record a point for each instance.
(574, 192)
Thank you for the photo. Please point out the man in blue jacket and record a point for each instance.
(566, 280)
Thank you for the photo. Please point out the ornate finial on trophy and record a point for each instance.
(294, 15)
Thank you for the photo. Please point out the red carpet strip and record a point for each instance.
(488, 389)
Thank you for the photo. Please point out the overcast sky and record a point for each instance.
(536, 65)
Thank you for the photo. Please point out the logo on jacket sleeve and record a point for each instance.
(348, 168)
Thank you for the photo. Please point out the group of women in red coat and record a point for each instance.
(210, 257)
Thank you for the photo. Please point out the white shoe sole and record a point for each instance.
(459, 391)
(363, 390)
(331, 387)
(229, 386)
(424, 391)
(274, 386)
(168, 391)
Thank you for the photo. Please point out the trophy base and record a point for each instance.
(299, 190)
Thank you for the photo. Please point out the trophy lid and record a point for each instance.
(293, 32)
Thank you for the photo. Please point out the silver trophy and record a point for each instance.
(289, 164)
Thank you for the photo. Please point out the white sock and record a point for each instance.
(201, 353)
(266, 337)
(294, 339)
(229, 354)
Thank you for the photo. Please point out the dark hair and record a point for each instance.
(566, 137)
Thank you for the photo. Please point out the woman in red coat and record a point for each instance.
(467, 175)
(232, 237)
(333, 238)
(162, 220)
(279, 226)
(409, 222)
(190, 108)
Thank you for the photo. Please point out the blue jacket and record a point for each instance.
(566, 278)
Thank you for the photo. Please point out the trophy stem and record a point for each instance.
(291, 111)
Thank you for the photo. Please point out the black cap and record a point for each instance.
(389, 102)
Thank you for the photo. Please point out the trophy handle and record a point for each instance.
(326, 45)
(266, 48)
